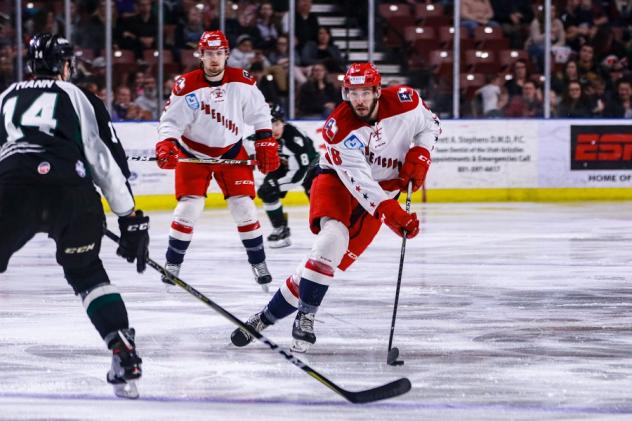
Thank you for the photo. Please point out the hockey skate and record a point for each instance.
(240, 337)
(174, 269)
(262, 275)
(126, 365)
(280, 237)
(303, 332)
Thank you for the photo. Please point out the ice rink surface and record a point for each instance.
(507, 311)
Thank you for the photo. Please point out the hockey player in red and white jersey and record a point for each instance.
(377, 141)
(205, 117)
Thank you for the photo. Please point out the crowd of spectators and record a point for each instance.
(591, 57)
(257, 31)
(591, 45)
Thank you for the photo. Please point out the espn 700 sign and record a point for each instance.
(601, 147)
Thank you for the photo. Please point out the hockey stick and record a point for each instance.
(250, 162)
(393, 352)
(389, 390)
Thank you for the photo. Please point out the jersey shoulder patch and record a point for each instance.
(235, 74)
(189, 82)
(397, 99)
(340, 123)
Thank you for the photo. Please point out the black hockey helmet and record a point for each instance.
(48, 53)
(276, 111)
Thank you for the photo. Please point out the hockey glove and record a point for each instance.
(415, 168)
(267, 153)
(167, 154)
(134, 240)
(397, 219)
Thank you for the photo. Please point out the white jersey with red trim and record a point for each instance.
(207, 118)
(367, 158)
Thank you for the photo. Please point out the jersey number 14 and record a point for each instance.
(39, 114)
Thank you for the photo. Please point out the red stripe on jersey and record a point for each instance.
(250, 227)
(319, 267)
(181, 228)
(206, 150)
(292, 286)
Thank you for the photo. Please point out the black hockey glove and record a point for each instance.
(134, 239)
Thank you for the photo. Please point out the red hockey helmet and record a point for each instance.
(361, 75)
(213, 40)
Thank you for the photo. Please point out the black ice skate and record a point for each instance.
(303, 332)
(240, 337)
(174, 269)
(262, 275)
(280, 237)
(126, 365)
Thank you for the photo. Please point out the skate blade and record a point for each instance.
(279, 244)
(300, 346)
(127, 390)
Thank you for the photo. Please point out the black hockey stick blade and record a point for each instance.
(391, 358)
(389, 390)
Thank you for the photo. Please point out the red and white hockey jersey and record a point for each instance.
(208, 118)
(368, 158)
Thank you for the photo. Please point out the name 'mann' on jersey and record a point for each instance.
(53, 132)
(367, 158)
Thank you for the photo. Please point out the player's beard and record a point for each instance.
(210, 73)
(367, 118)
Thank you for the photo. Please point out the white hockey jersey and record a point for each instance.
(367, 159)
(208, 118)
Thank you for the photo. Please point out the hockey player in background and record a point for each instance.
(297, 152)
(205, 117)
(56, 142)
(377, 141)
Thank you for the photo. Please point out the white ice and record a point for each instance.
(507, 311)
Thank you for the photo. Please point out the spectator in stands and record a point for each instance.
(622, 106)
(586, 63)
(148, 100)
(244, 55)
(574, 103)
(279, 53)
(188, 33)
(491, 94)
(138, 32)
(599, 96)
(244, 24)
(121, 103)
(578, 24)
(90, 30)
(267, 26)
(317, 97)
(529, 104)
(280, 63)
(265, 83)
(561, 79)
(513, 16)
(323, 50)
(305, 22)
(518, 78)
(475, 13)
(535, 43)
